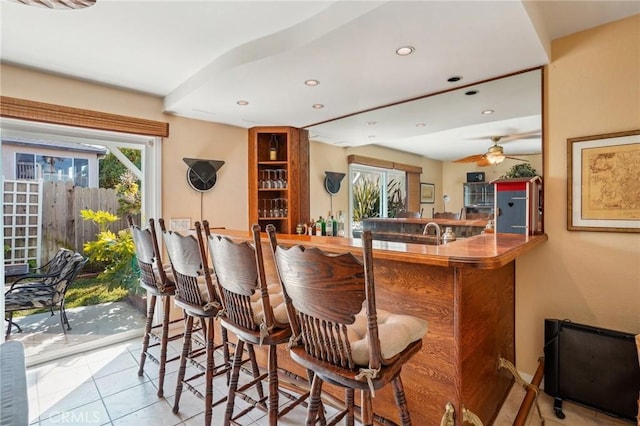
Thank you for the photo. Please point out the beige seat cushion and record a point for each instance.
(395, 332)
(276, 299)
(167, 271)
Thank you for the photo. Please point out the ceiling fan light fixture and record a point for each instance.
(495, 155)
(495, 158)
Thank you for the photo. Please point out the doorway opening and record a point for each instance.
(73, 161)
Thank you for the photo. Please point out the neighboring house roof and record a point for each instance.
(58, 145)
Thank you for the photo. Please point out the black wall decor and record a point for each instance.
(475, 177)
(202, 174)
(332, 182)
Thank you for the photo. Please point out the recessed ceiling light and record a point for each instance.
(243, 103)
(487, 111)
(318, 106)
(372, 136)
(312, 82)
(471, 92)
(405, 50)
(454, 79)
(420, 125)
(371, 123)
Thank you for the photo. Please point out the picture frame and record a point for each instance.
(427, 193)
(601, 171)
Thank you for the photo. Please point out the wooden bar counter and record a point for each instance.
(466, 292)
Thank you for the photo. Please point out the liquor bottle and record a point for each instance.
(334, 224)
(340, 224)
(311, 230)
(319, 226)
(323, 226)
(329, 226)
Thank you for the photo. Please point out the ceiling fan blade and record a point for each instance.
(521, 136)
(518, 159)
(470, 159)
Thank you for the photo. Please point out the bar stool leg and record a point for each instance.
(186, 349)
(367, 408)
(225, 352)
(208, 400)
(147, 332)
(349, 398)
(233, 385)
(273, 385)
(163, 344)
(401, 401)
(314, 400)
(255, 370)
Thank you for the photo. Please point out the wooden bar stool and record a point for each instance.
(343, 342)
(196, 295)
(157, 280)
(256, 314)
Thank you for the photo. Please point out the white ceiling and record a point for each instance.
(202, 57)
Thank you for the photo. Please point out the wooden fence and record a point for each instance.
(62, 224)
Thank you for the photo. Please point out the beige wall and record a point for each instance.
(591, 88)
(225, 205)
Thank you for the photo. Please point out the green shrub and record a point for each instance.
(115, 251)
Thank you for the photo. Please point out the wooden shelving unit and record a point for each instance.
(278, 183)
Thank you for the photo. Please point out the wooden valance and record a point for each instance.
(385, 164)
(57, 114)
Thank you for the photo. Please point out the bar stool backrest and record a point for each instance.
(240, 276)
(152, 271)
(185, 254)
(326, 292)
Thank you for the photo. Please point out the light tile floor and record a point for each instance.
(102, 387)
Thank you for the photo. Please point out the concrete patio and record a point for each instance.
(91, 326)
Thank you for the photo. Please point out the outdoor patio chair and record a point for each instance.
(46, 290)
(157, 280)
(339, 333)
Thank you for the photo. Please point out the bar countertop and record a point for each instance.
(484, 251)
(465, 290)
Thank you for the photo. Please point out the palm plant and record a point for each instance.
(366, 198)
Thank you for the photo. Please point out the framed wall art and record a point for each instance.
(603, 175)
(427, 193)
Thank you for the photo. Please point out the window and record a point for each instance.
(52, 168)
(375, 192)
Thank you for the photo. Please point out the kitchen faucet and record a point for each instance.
(426, 229)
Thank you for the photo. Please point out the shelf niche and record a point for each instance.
(281, 184)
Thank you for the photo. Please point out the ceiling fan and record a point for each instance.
(495, 153)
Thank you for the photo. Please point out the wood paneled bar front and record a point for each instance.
(466, 292)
